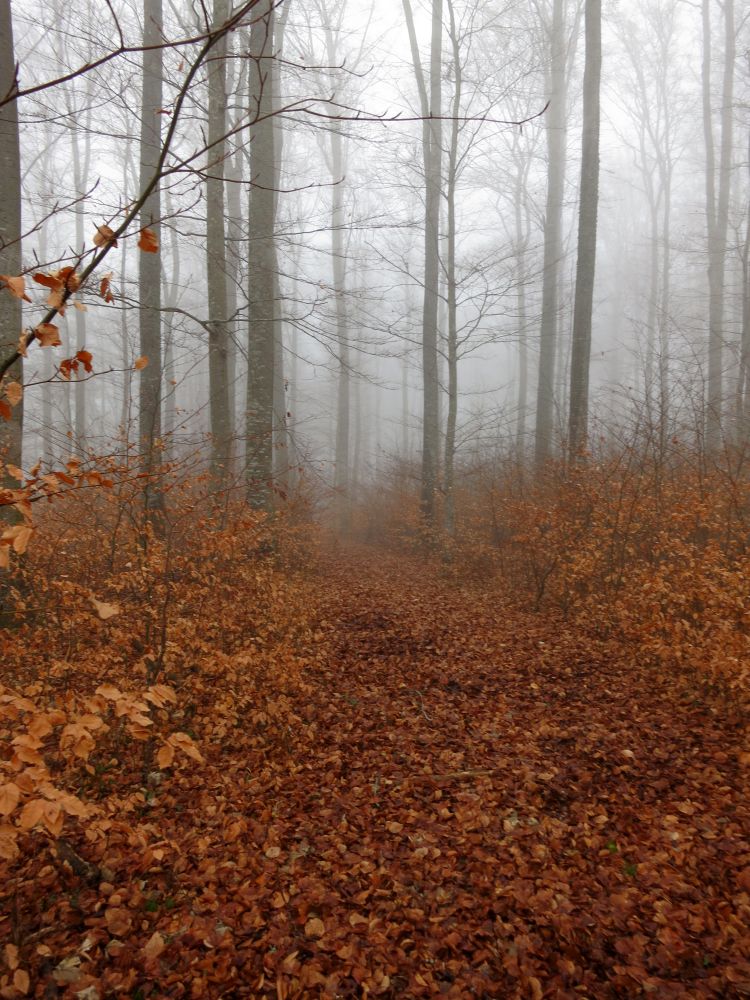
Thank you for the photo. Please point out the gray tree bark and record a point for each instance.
(717, 212)
(431, 109)
(216, 263)
(149, 265)
(11, 431)
(587, 228)
(262, 265)
(553, 245)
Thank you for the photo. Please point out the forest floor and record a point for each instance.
(430, 795)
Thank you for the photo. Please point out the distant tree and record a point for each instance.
(587, 230)
(11, 430)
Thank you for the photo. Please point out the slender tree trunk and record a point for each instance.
(717, 212)
(556, 157)
(449, 478)
(11, 431)
(431, 105)
(744, 380)
(587, 227)
(216, 264)
(281, 449)
(80, 176)
(149, 266)
(262, 265)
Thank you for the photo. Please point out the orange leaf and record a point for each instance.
(21, 980)
(165, 756)
(48, 335)
(109, 691)
(104, 288)
(5, 411)
(315, 928)
(105, 611)
(10, 794)
(148, 241)
(154, 946)
(14, 393)
(16, 286)
(104, 237)
(32, 813)
(85, 357)
(140, 363)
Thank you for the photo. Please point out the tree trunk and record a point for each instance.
(556, 150)
(11, 431)
(262, 265)
(717, 212)
(452, 352)
(149, 265)
(216, 264)
(431, 108)
(587, 225)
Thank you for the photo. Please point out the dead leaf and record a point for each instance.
(14, 393)
(48, 335)
(315, 928)
(16, 285)
(10, 795)
(104, 236)
(148, 241)
(154, 946)
(140, 363)
(105, 611)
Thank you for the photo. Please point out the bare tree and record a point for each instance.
(262, 266)
(432, 155)
(587, 229)
(717, 209)
(11, 430)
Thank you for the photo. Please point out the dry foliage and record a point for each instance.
(237, 765)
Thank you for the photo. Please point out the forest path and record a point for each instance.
(470, 801)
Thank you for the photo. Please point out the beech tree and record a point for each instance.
(429, 87)
(11, 424)
(587, 230)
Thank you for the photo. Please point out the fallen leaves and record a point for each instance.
(292, 820)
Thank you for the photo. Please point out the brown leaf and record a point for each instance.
(165, 756)
(105, 611)
(10, 795)
(315, 928)
(16, 285)
(48, 335)
(148, 241)
(118, 921)
(32, 813)
(154, 946)
(104, 236)
(21, 980)
(105, 289)
(140, 363)
(14, 393)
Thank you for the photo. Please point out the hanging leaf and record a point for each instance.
(48, 335)
(104, 236)
(104, 288)
(140, 363)
(148, 241)
(15, 285)
(86, 357)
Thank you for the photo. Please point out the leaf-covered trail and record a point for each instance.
(464, 802)
(411, 791)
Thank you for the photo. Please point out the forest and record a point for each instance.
(374, 499)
